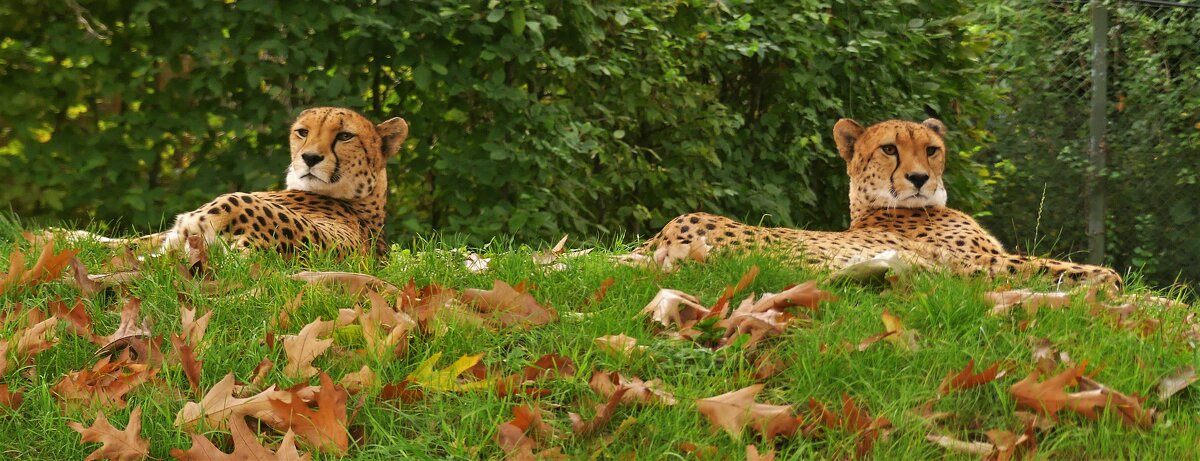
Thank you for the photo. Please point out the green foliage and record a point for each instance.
(528, 118)
(1152, 134)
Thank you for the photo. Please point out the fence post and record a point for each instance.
(1094, 188)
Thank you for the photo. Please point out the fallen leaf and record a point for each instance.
(752, 454)
(323, 428)
(129, 325)
(637, 391)
(246, 447)
(1003, 301)
(730, 291)
(601, 292)
(304, 347)
(359, 381)
(675, 307)
(512, 435)
(476, 264)
(1176, 381)
(736, 410)
(10, 400)
(856, 419)
(219, 406)
(1007, 443)
(805, 295)
(126, 445)
(619, 345)
(106, 383)
(874, 270)
(48, 267)
(193, 328)
(447, 379)
(905, 339)
(36, 339)
(604, 413)
(1129, 407)
(77, 318)
(505, 306)
(546, 367)
(961, 446)
(966, 379)
(86, 285)
(354, 283)
(260, 371)
(871, 340)
(187, 359)
(1050, 396)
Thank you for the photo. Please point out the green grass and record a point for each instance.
(948, 312)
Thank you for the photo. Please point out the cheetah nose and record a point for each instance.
(312, 159)
(918, 179)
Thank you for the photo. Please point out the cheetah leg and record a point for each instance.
(207, 222)
(1064, 271)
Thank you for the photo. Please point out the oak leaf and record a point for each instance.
(193, 328)
(48, 267)
(246, 447)
(126, 445)
(619, 345)
(187, 359)
(129, 325)
(752, 454)
(447, 379)
(905, 339)
(304, 347)
(961, 446)
(966, 379)
(604, 413)
(675, 307)
(1003, 301)
(359, 381)
(637, 391)
(36, 339)
(1176, 381)
(519, 437)
(733, 411)
(8, 399)
(219, 406)
(1050, 396)
(505, 306)
(324, 428)
(77, 318)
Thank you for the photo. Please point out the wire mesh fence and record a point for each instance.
(1149, 109)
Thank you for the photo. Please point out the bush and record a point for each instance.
(528, 118)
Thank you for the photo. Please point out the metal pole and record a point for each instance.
(1095, 180)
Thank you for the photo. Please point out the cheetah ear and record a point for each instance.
(936, 125)
(392, 134)
(846, 133)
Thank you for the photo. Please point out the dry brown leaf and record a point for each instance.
(193, 328)
(219, 406)
(359, 381)
(105, 384)
(187, 359)
(354, 283)
(961, 446)
(505, 306)
(619, 345)
(1006, 444)
(86, 285)
(475, 263)
(548, 366)
(1050, 396)
(1003, 301)
(604, 413)
(1177, 381)
(638, 391)
(129, 325)
(36, 339)
(323, 428)
(260, 371)
(126, 445)
(77, 318)
(675, 307)
(1129, 407)
(805, 295)
(743, 283)
(10, 400)
(601, 292)
(752, 454)
(304, 347)
(736, 410)
(966, 379)
(667, 255)
(513, 439)
(48, 266)
(246, 447)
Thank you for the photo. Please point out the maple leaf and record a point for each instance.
(106, 383)
(304, 347)
(219, 406)
(354, 283)
(619, 345)
(126, 445)
(11, 400)
(187, 358)
(246, 447)
(674, 306)
(1177, 381)
(325, 427)
(735, 410)
(604, 413)
(637, 391)
(508, 306)
(965, 379)
(447, 379)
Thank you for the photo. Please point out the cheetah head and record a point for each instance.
(339, 153)
(894, 164)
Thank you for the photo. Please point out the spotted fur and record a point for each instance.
(897, 202)
(335, 199)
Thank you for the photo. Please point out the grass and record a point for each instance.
(948, 312)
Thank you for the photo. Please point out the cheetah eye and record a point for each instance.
(301, 132)
(931, 151)
(890, 149)
(344, 136)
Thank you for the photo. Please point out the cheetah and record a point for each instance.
(335, 197)
(897, 202)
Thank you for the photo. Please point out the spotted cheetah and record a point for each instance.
(897, 202)
(335, 198)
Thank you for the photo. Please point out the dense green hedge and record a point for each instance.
(528, 118)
